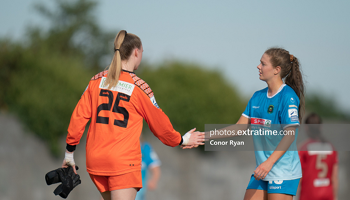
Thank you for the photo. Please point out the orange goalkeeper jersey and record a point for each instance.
(113, 139)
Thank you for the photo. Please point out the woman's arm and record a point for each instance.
(335, 181)
(159, 123)
(80, 117)
(153, 181)
(264, 168)
(242, 124)
(243, 120)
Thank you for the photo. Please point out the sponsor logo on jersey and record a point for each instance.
(102, 83)
(122, 86)
(256, 106)
(317, 148)
(292, 100)
(276, 187)
(259, 121)
(321, 182)
(154, 102)
(293, 114)
(270, 109)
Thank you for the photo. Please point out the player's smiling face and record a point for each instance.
(266, 70)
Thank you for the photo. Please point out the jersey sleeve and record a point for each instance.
(80, 117)
(289, 115)
(156, 119)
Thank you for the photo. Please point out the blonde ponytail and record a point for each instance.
(116, 65)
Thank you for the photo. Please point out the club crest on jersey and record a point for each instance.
(270, 109)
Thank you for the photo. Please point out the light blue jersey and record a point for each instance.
(281, 108)
(149, 159)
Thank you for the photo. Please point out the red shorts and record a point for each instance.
(110, 183)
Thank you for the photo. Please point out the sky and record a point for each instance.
(226, 35)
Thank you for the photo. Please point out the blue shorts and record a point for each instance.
(281, 187)
(141, 194)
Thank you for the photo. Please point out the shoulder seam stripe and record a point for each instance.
(100, 75)
(142, 85)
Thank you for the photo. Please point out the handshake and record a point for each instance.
(68, 178)
(192, 139)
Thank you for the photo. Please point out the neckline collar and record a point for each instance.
(279, 90)
(127, 71)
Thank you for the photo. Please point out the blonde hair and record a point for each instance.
(124, 44)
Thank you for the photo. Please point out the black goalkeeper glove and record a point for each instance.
(69, 182)
(68, 178)
(57, 175)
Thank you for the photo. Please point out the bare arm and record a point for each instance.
(243, 122)
(335, 181)
(283, 146)
(264, 168)
(155, 175)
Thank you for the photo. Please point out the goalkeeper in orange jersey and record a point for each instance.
(116, 101)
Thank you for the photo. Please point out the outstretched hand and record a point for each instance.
(196, 138)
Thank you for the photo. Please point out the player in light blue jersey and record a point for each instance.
(280, 104)
(150, 162)
(278, 171)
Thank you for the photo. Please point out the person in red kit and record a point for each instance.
(116, 101)
(319, 163)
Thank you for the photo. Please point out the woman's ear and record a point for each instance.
(277, 70)
(136, 52)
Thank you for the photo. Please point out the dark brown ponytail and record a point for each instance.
(290, 72)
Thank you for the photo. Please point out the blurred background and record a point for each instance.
(200, 60)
